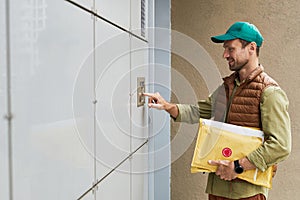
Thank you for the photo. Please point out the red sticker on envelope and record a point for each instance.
(226, 152)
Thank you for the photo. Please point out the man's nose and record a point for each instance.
(225, 54)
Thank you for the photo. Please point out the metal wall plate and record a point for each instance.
(140, 91)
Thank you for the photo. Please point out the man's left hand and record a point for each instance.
(225, 169)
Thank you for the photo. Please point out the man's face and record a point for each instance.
(236, 56)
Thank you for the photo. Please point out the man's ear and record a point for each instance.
(252, 47)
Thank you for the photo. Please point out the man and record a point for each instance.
(248, 97)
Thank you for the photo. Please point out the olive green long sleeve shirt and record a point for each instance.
(276, 147)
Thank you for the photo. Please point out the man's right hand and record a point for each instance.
(155, 100)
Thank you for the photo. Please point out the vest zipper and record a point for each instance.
(229, 102)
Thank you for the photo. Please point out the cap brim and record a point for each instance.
(222, 38)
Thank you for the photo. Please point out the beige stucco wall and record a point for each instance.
(279, 22)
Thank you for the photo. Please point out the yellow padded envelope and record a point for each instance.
(221, 141)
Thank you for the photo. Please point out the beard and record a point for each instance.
(237, 65)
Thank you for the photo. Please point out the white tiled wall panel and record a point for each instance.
(139, 119)
(3, 109)
(74, 100)
(139, 174)
(112, 94)
(116, 11)
(50, 161)
(85, 3)
(116, 185)
(139, 68)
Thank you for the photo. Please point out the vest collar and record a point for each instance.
(231, 79)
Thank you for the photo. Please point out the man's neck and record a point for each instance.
(247, 70)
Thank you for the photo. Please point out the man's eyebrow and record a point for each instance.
(227, 46)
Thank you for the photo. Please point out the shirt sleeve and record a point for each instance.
(192, 113)
(276, 127)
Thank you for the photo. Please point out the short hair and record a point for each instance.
(245, 43)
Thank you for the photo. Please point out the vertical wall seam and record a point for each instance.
(9, 100)
(131, 96)
(150, 23)
(95, 99)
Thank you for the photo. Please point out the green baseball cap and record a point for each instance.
(241, 30)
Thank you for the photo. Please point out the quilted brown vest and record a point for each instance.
(244, 109)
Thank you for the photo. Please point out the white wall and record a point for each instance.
(4, 192)
(75, 117)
